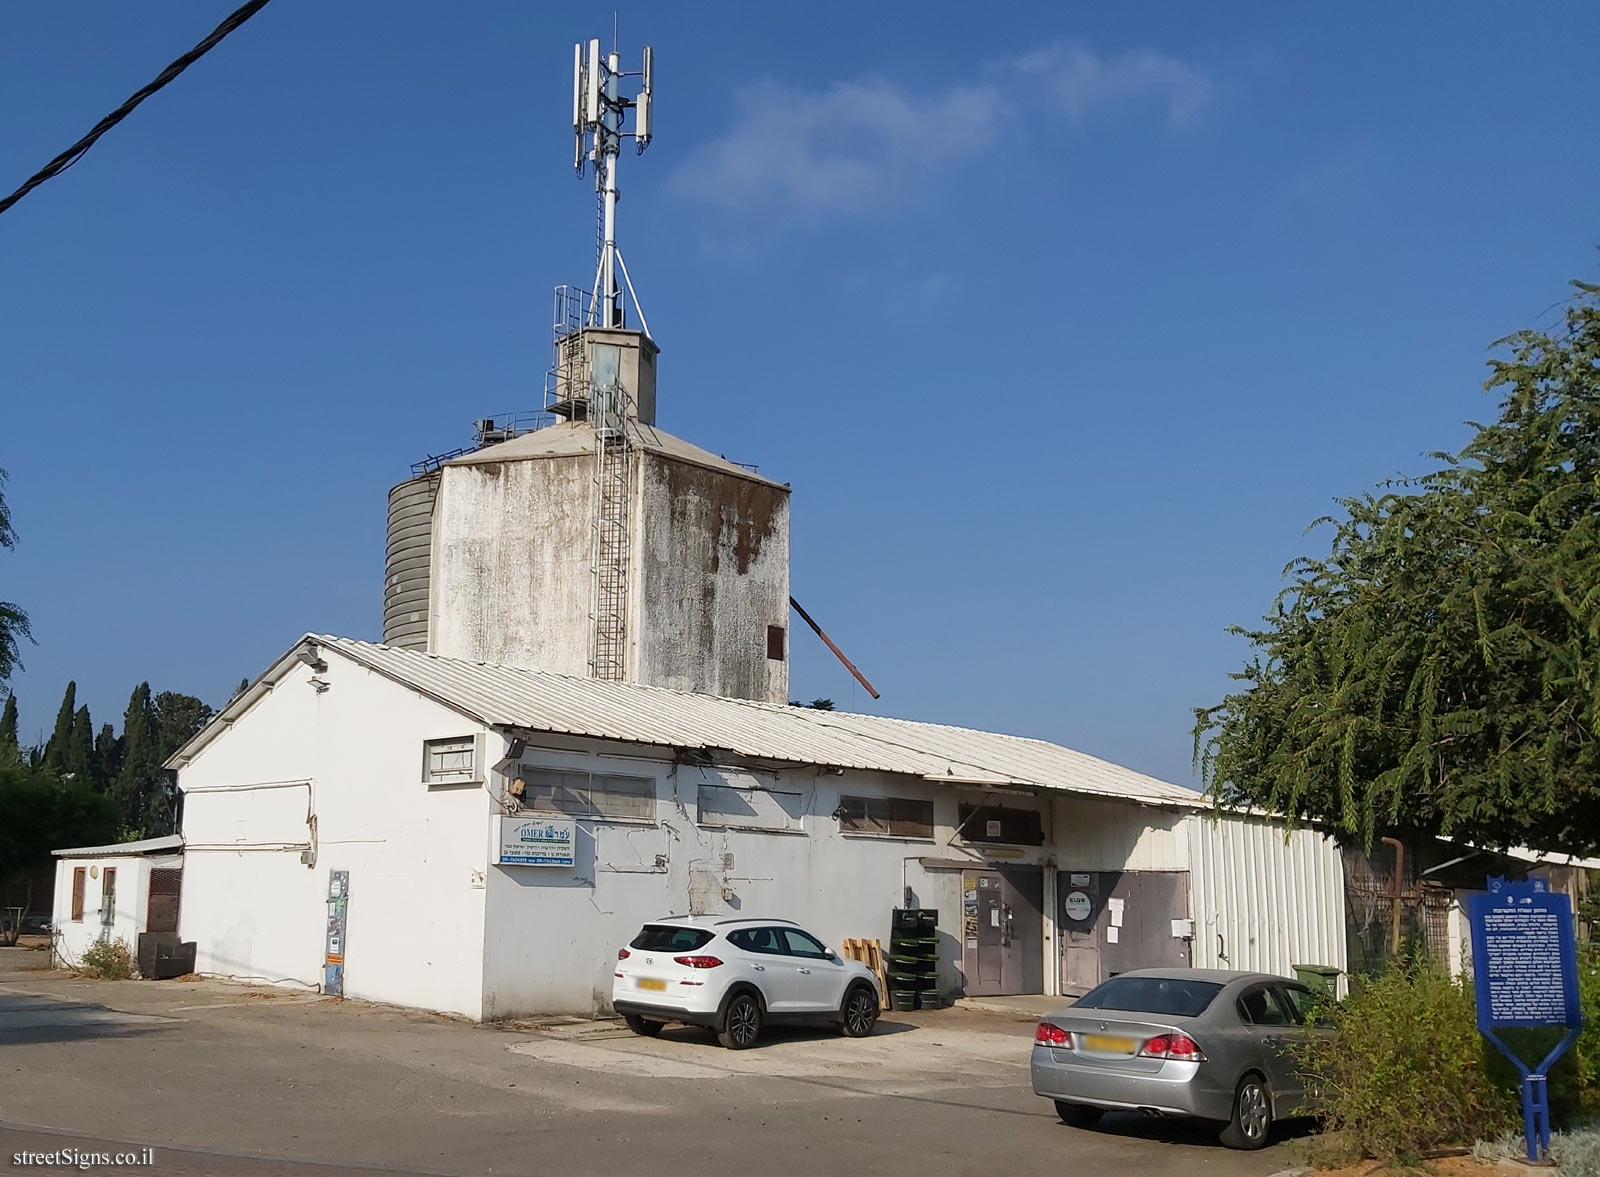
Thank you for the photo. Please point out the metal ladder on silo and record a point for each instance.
(612, 459)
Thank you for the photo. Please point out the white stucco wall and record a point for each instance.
(511, 578)
(341, 769)
(132, 898)
(552, 934)
(710, 573)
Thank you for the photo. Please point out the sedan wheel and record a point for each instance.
(741, 1024)
(860, 1012)
(1251, 1126)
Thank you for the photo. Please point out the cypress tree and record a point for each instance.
(107, 759)
(179, 717)
(10, 746)
(138, 787)
(77, 760)
(55, 748)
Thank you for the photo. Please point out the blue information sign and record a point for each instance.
(1524, 956)
(1525, 972)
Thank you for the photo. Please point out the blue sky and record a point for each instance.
(1063, 325)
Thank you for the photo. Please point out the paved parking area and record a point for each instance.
(228, 1079)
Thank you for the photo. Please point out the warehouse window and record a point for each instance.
(739, 801)
(996, 823)
(452, 761)
(583, 794)
(893, 817)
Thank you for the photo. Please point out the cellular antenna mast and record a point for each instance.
(598, 113)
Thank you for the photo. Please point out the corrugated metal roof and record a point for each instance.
(538, 701)
(144, 846)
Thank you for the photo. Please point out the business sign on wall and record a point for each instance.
(543, 841)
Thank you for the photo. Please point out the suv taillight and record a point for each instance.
(1049, 1034)
(622, 954)
(698, 962)
(1180, 1047)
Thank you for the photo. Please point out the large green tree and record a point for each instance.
(1438, 671)
(10, 745)
(43, 813)
(179, 717)
(138, 789)
(55, 748)
(107, 758)
(14, 629)
(77, 762)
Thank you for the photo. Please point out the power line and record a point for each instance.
(76, 152)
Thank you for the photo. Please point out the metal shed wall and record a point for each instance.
(1262, 901)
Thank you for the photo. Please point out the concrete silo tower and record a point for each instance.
(598, 544)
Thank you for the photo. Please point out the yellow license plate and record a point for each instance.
(1109, 1044)
(655, 983)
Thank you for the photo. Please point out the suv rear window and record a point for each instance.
(666, 938)
(1171, 996)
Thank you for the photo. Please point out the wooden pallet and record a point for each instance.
(870, 953)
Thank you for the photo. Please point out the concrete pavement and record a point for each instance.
(217, 1077)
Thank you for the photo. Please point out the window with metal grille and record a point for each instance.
(584, 794)
(996, 823)
(450, 761)
(893, 817)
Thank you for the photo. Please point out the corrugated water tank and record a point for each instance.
(406, 562)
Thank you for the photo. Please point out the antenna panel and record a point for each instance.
(592, 104)
(577, 87)
(643, 120)
(649, 69)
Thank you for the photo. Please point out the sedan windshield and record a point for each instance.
(1170, 996)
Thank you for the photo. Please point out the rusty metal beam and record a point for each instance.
(837, 652)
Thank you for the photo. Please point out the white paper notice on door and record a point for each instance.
(1116, 917)
(1111, 935)
(994, 917)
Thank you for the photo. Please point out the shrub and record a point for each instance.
(1576, 1153)
(1574, 1081)
(109, 960)
(1405, 1070)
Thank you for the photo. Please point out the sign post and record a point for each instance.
(1525, 972)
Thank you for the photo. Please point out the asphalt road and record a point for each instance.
(224, 1079)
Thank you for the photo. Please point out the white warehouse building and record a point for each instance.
(394, 776)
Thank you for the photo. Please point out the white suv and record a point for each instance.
(736, 975)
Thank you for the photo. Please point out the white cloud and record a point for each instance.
(1080, 81)
(852, 147)
(839, 150)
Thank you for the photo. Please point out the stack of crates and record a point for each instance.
(913, 958)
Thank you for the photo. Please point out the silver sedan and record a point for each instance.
(1201, 1043)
